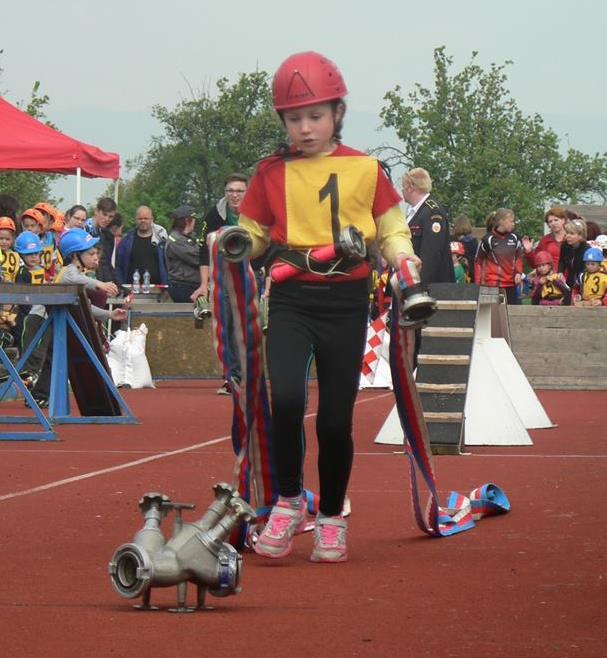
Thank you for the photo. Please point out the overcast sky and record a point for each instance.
(105, 64)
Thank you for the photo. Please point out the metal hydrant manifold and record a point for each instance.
(197, 552)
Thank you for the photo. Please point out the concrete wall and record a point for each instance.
(561, 347)
(557, 347)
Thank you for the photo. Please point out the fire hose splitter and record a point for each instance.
(197, 552)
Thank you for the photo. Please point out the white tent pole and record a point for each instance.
(116, 185)
(78, 182)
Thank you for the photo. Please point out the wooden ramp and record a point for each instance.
(443, 368)
(471, 387)
(444, 364)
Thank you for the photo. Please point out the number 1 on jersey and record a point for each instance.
(330, 189)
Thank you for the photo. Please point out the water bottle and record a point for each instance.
(145, 289)
(136, 282)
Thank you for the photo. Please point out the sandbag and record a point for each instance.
(127, 359)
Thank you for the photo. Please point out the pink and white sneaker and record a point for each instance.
(284, 522)
(330, 540)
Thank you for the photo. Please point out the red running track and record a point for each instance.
(531, 583)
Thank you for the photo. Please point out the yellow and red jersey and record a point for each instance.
(9, 262)
(305, 202)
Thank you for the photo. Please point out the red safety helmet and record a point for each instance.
(306, 79)
(7, 223)
(457, 248)
(543, 258)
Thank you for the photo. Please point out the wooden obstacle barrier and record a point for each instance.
(557, 347)
(176, 346)
(471, 388)
(77, 359)
(561, 347)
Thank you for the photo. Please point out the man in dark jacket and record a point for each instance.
(142, 249)
(429, 226)
(429, 233)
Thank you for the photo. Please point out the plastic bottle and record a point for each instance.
(136, 282)
(146, 283)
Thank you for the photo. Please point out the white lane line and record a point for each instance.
(137, 462)
(468, 454)
(166, 452)
(543, 456)
(111, 469)
(86, 452)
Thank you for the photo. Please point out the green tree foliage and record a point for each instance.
(29, 187)
(482, 152)
(204, 140)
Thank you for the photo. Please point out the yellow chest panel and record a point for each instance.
(37, 276)
(595, 286)
(50, 256)
(9, 260)
(324, 195)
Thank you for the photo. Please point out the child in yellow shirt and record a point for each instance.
(591, 286)
(9, 259)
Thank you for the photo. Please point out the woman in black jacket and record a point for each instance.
(571, 261)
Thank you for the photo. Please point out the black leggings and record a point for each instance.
(327, 322)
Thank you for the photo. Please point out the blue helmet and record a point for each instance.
(28, 243)
(75, 241)
(593, 255)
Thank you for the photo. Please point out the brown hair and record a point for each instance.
(556, 211)
(236, 178)
(592, 230)
(462, 226)
(105, 204)
(338, 122)
(571, 214)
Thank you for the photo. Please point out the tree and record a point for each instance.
(204, 140)
(29, 187)
(482, 152)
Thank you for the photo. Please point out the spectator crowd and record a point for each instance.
(565, 266)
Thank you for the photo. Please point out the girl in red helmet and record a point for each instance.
(550, 287)
(299, 200)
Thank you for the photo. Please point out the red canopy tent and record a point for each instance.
(27, 144)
